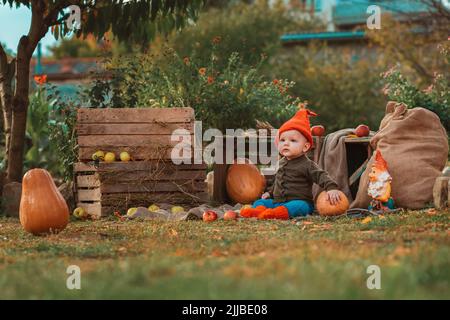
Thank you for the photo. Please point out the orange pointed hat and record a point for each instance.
(300, 122)
(380, 163)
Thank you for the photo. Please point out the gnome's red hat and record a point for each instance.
(380, 163)
(300, 122)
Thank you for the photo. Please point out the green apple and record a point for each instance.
(98, 155)
(80, 213)
(131, 211)
(110, 157)
(153, 208)
(177, 209)
(125, 156)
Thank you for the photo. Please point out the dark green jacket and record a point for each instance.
(294, 180)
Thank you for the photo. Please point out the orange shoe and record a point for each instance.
(280, 212)
(252, 212)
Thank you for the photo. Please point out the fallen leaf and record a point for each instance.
(381, 217)
(308, 222)
(117, 214)
(366, 220)
(173, 233)
(431, 212)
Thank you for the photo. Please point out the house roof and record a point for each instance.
(66, 68)
(324, 36)
(355, 12)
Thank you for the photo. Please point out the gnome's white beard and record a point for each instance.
(377, 188)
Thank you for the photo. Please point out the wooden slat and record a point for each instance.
(127, 200)
(88, 181)
(440, 192)
(137, 153)
(103, 141)
(141, 176)
(154, 186)
(358, 140)
(219, 186)
(135, 166)
(358, 172)
(89, 194)
(317, 145)
(85, 129)
(97, 210)
(94, 209)
(135, 115)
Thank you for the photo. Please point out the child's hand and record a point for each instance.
(265, 195)
(333, 197)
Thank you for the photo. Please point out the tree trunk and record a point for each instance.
(20, 107)
(25, 49)
(7, 72)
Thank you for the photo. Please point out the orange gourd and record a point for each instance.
(325, 208)
(42, 207)
(244, 182)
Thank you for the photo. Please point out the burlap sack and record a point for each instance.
(414, 144)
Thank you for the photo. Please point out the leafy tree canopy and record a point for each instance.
(130, 20)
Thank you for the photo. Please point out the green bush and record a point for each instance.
(62, 132)
(250, 30)
(343, 88)
(436, 97)
(50, 133)
(40, 152)
(233, 96)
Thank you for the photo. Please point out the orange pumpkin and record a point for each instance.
(325, 208)
(42, 207)
(244, 182)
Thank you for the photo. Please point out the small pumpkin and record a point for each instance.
(325, 208)
(42, 207)
(244, 182)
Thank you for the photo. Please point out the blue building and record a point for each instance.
(345, 20)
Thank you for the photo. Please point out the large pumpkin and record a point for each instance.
(244, 182)
(325, 208)
(42, 207)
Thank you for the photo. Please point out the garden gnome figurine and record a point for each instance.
(380, 185)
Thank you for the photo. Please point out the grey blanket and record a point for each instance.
(333, 159)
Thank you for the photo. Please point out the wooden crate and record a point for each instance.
(143, 132)
(110, 187)
(103, 188)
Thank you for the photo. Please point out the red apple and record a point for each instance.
(318, 130)
(230, 215)
(362, 130)
(209, 216)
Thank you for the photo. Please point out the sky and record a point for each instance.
(14, 23)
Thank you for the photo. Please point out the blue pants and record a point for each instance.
(295, 207)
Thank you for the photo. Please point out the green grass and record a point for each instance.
(312, 258)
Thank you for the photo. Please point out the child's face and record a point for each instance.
(293, 144)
